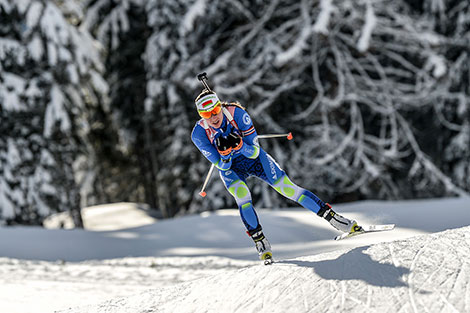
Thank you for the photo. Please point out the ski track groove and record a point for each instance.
(431, 276)
(411, 275)
(287, 290)
(460, 279)
(467, 298)
(454, 277)
(304, 298)
(343, 294)
(467, 290)
(252, 300)
(446, 302)
(330, 297)
(392, 255)
(463, 254)
(369, 297)
(443, 262)
(334, 304)
(398, 303)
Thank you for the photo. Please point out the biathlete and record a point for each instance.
(225, 135)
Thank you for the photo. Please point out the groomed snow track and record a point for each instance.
(427, 273)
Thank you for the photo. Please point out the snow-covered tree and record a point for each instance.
(49, 82)
(451, 20)
(375, 92)
(121, 28)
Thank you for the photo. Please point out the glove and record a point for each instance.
(224, 148)
(235, 141)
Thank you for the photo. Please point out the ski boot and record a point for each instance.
(337, 221)
(262, 245)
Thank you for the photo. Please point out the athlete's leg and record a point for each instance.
(279, 180)
(304, 197)
(282, 184)
(239, 190)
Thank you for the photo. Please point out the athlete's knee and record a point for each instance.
(287, 188)
(239, 190)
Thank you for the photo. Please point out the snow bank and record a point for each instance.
(428, 273)
(292, 232)
(105, 217)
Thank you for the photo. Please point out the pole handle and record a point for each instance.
(202, 77)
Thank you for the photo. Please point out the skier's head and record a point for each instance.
(209, 107)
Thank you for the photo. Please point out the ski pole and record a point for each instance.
(202, 193)
(288, 135)
(203, 79)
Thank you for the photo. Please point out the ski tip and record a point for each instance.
(202, 194)
(339, 237)
(289, 136)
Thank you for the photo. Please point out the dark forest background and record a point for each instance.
(96, 99)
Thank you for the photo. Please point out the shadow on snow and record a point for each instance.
(357, 265)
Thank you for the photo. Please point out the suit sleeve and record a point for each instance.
(251, 146)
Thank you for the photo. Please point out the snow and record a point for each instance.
(34, 14)
(8, 46)
(10, 91)
(5, 5)
(52, 25)
(52, 53)
(196, 11)
(8, 210)
(99, 83)
(35, 48)
(321, 24)
(416, 275)
(438, 65)
(205, 263)
(56, 112)
(371, 21)
(295, 49)
(106, 217)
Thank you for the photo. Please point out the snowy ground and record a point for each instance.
(206, 263)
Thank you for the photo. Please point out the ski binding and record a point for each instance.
(267, 258)
(366, 229)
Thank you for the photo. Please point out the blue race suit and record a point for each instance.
(250, 160)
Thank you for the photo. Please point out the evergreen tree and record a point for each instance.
(49, 78)
(121, 27)
(375, 92)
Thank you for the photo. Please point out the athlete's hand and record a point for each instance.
(235, 141)
(224, 147)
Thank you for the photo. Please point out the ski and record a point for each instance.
(366, 229)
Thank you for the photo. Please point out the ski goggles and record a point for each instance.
(207, 114)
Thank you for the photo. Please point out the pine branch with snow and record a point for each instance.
(49, 79)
